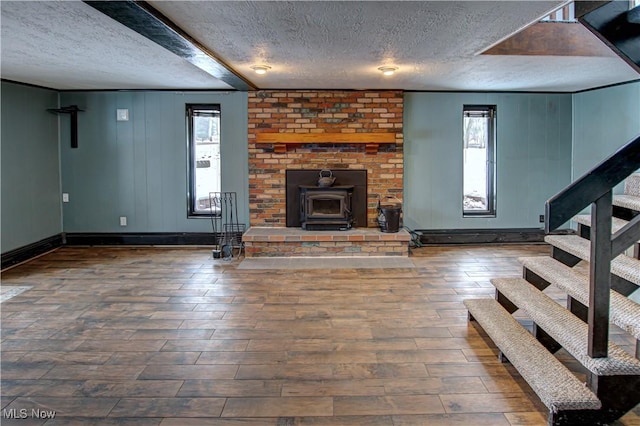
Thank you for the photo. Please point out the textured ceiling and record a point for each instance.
(69, 45)
(308, 44)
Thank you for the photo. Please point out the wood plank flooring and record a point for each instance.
(169, 336)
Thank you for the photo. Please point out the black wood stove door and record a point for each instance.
(326, 207)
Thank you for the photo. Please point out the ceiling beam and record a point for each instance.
(147, 21)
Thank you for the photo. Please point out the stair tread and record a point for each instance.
(555, 385)
(616, 223)
(623, 266)
(565, 328)
(624, 312)
(627, 201)
(632, 185)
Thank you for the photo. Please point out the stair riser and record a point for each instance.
(618, 394)
(536, 280)
(622, 286)
(564, 257)
(583, 417)
(624, 213)
(505, 303)
(577, 308)
(545, 340)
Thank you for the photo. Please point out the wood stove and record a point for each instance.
(326, 208)
(355, 202)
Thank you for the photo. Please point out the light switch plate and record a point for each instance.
(122, 115)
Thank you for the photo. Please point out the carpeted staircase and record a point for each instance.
(612, 387)
(625, 207)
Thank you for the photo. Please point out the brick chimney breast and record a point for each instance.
(361, 114)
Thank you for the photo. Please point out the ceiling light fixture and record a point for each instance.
(388, 70)
(261, 69)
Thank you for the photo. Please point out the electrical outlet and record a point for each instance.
(541, 218)
(123, 221)
(65, 197)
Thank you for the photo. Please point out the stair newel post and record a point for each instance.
(600, 276)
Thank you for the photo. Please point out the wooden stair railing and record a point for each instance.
(595, 189)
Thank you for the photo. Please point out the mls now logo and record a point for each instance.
(23, 413)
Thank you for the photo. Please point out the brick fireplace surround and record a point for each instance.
(368, 128)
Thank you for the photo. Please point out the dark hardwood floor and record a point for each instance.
(169, 336)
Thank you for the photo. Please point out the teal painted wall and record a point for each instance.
(30, 177)
(603, 121)
(138, 168)
(533, 157)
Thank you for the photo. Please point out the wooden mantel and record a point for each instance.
(371, 141)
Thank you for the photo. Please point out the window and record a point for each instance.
(479, 165)
(203, 130)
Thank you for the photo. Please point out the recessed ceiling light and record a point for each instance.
(261, 69)
(388, 70)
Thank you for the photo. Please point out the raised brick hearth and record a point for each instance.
(295, 242)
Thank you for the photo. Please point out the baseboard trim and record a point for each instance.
(483, 236)
(144, 239)
(427, 237)
(28, 252)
